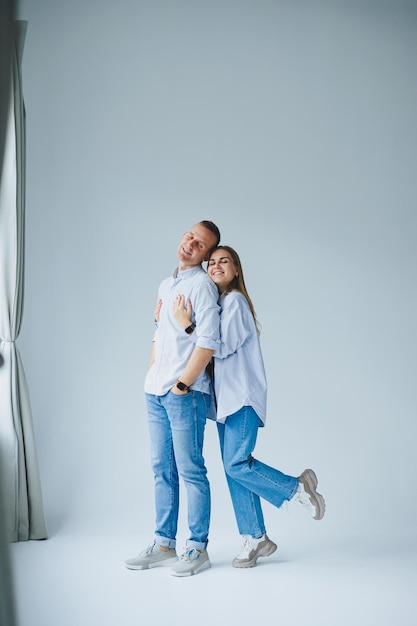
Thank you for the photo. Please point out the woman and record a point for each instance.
(240, 390)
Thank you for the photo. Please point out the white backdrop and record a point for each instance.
(293, 126)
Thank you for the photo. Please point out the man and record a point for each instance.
(178, 398)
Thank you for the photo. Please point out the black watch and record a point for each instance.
(182, 386)
(190, 328)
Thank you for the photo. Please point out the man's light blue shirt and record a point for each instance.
(173, 347)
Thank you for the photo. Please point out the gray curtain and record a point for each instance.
(23, 507)
(7, 599)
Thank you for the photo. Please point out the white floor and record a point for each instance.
(80, 580)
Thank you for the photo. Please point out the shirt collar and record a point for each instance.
(187, 273)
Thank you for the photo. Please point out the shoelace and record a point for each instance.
(190, 555)
(246, 548)
(305, 501)
(247, 545)
(150, 548)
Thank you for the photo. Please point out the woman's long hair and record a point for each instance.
(238, 282)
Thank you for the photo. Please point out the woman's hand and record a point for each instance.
(181, 312)
(157, 311)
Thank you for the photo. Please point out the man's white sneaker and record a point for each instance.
(152, 556)
(307, 496)
(252, 549)
(191, 562)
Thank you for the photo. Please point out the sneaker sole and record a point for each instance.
(264, 551)
(203, 566)
(310, 480)
(163, 563)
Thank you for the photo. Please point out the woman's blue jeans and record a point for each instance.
(176, 428)
(249, 479)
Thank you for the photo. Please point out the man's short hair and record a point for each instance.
(211, 226)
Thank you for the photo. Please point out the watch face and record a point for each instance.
(181, 386)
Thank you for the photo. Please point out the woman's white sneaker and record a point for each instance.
(252, 549)
(307, 495)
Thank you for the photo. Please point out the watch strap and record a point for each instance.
(182, 386)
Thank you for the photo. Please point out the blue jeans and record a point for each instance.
(249, 479)
(176, 428)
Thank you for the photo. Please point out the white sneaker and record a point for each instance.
(252, 549)
(191, 562)
(152, 556)
(307, 496)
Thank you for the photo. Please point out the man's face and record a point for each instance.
(195, 246)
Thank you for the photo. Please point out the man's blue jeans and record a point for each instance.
(249, 479)
(176, 428)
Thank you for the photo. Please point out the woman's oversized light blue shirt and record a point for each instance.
(239, 372)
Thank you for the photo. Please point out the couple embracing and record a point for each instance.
(206, 318)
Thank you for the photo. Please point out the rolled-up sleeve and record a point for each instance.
(206, 316)
(234, 327)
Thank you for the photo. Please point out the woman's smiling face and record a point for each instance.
(221, 269)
